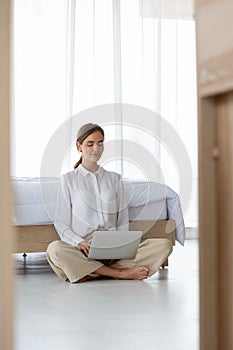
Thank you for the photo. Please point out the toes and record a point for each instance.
(145, 269)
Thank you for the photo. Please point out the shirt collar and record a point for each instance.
(85, 172)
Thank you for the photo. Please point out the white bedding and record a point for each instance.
(35, 202)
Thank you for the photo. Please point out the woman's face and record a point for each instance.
(92, 147)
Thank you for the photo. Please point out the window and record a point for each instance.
(71, 56)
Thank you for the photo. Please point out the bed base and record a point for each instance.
(33, 239)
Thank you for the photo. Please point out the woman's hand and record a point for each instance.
(84, 247)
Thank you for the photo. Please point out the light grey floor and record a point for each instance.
(159, 313)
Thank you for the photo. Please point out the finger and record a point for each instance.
(84, 252)
(80, 246)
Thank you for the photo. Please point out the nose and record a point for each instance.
(95, 147)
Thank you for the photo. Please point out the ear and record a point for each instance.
(79, 147)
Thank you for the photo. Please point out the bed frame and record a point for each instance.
(32, 239)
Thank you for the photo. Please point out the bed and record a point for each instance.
(154, 208)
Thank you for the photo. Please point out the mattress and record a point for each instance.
(34, 202)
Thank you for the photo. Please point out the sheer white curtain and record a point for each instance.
(159, 72)
(72, 55)
(39, 70)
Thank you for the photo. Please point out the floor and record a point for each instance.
(158, 313)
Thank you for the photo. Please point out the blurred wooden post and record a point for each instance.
(215, 93)
(6, 275)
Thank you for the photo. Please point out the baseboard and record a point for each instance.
(192, 233)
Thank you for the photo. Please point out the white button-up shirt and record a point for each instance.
(88, 201)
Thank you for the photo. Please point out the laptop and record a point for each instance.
(114, 244)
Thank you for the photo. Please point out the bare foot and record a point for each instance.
(117, 266)
(84, 279)
(92, 276)
(137, 273)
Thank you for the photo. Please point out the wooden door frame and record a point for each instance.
(215, 128)
(6, 271)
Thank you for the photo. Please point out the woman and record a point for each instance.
(89, 199)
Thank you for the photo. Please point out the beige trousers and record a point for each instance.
(69, 263)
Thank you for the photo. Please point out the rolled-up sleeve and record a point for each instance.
(63, 216)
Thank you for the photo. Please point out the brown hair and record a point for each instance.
(83, 133)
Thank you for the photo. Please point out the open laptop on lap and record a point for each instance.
(114, 244)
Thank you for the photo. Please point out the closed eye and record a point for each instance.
(90, 143)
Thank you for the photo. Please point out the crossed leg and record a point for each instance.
(69, 263)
